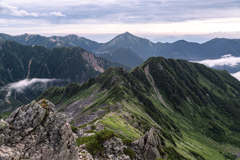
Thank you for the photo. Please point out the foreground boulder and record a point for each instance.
(37, 132)
(148, 146)
(114, 149)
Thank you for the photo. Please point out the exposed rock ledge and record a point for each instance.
(37, 132)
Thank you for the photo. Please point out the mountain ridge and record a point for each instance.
(191, 102)
(160, 47)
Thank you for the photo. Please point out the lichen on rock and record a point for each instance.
(36, 131)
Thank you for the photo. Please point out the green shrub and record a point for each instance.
(74, 129)
(94, 143)
(129, 152)
(93, 127)
(127, 141)
(230, 156)
(4, 115)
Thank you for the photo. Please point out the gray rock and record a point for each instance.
(114, 149)
(37, 132)
(79, 133)
(147, 147)
(88, 128)
(85, 155)
(7, 153)
(99, 127)
(88, 134)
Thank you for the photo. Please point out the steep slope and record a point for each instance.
(124, 56)
(75, 64)
(196, 108)
(19, 62)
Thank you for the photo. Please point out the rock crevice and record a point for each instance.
(36, 131)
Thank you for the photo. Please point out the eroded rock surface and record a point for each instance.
(114, 149)
(148, 146)
(37, 132)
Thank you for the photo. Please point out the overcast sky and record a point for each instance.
(157, 20)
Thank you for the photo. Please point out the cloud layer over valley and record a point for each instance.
(34, 84)
(226, 60)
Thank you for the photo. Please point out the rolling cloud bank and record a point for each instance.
(226, 60)
(34, 84)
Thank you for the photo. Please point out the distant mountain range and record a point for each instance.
(144, 48)
(18, 62)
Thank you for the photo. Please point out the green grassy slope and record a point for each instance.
(195, 107)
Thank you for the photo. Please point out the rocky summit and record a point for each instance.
(36, 131)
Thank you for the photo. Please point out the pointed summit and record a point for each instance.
(126, 34)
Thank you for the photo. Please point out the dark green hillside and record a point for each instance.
(15, 59)
(124, 56)
(196, 108)
(70, 64)
(75, 64)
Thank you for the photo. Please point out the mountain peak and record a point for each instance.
(72, 35)
(128, 34)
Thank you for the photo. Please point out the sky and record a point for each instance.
(157, 20)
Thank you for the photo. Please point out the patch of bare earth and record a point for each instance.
(92, 61)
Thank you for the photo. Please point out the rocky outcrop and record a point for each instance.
(37, 132)
(114, 149)
(148, 146)
(83, 153)
(97, 128)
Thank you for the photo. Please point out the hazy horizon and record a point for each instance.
(154, 38)
(156, 20)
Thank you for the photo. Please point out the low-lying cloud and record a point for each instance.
(226, 60)
(236, 75)
(32, 84)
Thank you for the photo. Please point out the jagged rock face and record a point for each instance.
(37, 132)
(114, 149)
(147, 147)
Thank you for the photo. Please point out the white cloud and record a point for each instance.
(12, 10)
(22, 85)
(57, 14)
(226, 60)
(236, 75)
